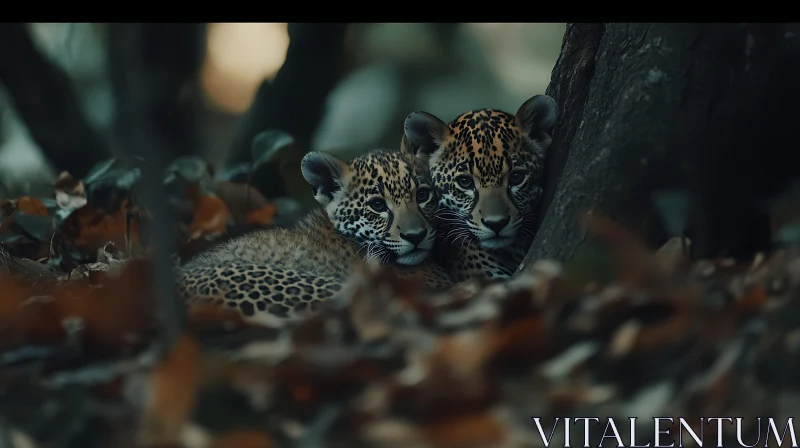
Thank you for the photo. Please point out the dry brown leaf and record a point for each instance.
(464, 353)
(526, 340)
(242, 199)
(720, 390)
(90, 228)
(31, 206)
(263, 216)
(173, 388)
(112, 390)
(476, 430)
(8, 222)
(69, 192)
(243, 439)
(68, 183)
(671, 255)
(209, 315)
(562, 398)
(669, 331)
(444, 385)
(113, 313)
(636, 264)
(26, 318)
(752, 301)
(211, 217)
(7, 206)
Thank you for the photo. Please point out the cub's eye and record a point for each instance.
(516, 178)
(423, 194)
(464, 181)
(377, 204)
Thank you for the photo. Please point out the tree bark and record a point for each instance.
(44, 97)
(170, 55)
(709, 108)
(137, 83)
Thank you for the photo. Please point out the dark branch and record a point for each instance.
(144, 141)
(172, 54)
(43, 96)
(294, 101)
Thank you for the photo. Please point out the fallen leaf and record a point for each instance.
(241, 198)
(752, 300)
(173, 387)
(67, 202)
(666, 332)
(113, 313)
(69, 192)
(201, 316)
(66, 182)
(635, 263)
(31, 206)
(90, 228)
(477, 430)
(211, 217)
(243, 439)
(263, 216)
(6, 223)
(673, 254)
(524, 341)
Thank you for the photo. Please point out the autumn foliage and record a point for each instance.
(81, 329)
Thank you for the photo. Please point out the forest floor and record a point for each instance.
(623, 331)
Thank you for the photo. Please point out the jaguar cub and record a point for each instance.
(375, 207)
(487, 168)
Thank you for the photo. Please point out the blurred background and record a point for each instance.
(207, 89)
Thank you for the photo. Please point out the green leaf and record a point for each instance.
(267, 145)
(99, 170)
(39, 227)
(62, 215)
(122, 172)
(234, 173)
(9, 237)
(189, 168)
(127, 179)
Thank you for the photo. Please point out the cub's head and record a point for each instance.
(486, 166)
(382, 201)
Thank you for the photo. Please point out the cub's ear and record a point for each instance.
(325, 173)
(537, 116)
(423, 134)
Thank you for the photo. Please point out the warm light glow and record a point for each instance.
(240, 56)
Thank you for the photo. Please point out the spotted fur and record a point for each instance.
(487, 168)
(376, 207)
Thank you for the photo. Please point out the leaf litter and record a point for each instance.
(388, 366)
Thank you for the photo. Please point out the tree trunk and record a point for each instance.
(168, 58)
(707, 108)
(294, 101)
(44, 97)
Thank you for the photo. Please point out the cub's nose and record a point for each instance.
(414, 237)
(496, 225)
